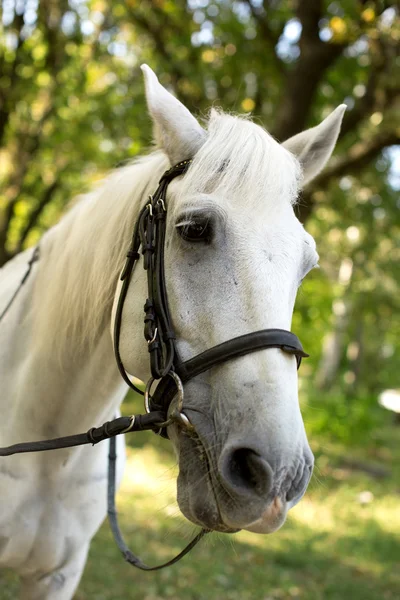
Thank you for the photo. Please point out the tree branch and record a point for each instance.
(6, 99)
(378, 96)
(316, 57)
(260, 17)
(36, 213)
(158, 32)
(13, 190)
(358, 157)
(302, 82)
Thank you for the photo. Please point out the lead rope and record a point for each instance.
(118, 426)
(131, 558)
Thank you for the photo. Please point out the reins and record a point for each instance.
(168, 371)
(131, 558)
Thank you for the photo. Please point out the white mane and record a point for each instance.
(82, 256)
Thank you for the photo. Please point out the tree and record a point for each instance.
(72, 106)
(70, 94)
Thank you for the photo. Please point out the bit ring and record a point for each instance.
(179, 387)
(177, 414)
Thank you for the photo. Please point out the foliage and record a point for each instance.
(72, 104)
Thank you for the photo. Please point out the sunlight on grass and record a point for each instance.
(147, 477)
(143, 469)
(340, 543)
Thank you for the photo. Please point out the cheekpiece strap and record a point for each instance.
(148, 238)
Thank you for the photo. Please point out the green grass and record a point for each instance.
(333, 547)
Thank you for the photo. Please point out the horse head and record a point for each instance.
(235, 255)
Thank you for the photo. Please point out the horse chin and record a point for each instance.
(197, 498)
(203, 510)
(207, 521)
(204, 501)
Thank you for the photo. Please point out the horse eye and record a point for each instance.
(197, 229)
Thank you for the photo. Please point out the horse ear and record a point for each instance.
(314, 146)
(176, 130)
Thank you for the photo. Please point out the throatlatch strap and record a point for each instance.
(34, 258)
(132, 257)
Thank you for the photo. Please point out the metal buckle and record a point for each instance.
(150, 205)
(153, 339)
(161, 203)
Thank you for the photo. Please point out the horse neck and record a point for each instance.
(51, 394)
(71, 382)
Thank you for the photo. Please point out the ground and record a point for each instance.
(342, 542)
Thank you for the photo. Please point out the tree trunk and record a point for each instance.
(333, 344)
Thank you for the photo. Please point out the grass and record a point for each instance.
(339, 543)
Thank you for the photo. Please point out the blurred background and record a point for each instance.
(72, 107)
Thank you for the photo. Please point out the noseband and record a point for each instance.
(167, 368)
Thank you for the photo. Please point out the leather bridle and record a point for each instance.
(168, 371)
(167, 368)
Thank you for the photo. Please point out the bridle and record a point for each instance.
(167, 368)
(168, 372)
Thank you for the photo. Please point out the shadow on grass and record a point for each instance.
(298, 563)
(295, 563)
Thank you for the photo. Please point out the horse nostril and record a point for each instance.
(243, 470)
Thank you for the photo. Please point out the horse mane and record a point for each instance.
(82, 255)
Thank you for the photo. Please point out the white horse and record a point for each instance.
(57, 370)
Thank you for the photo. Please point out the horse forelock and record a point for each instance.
(241, 163)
